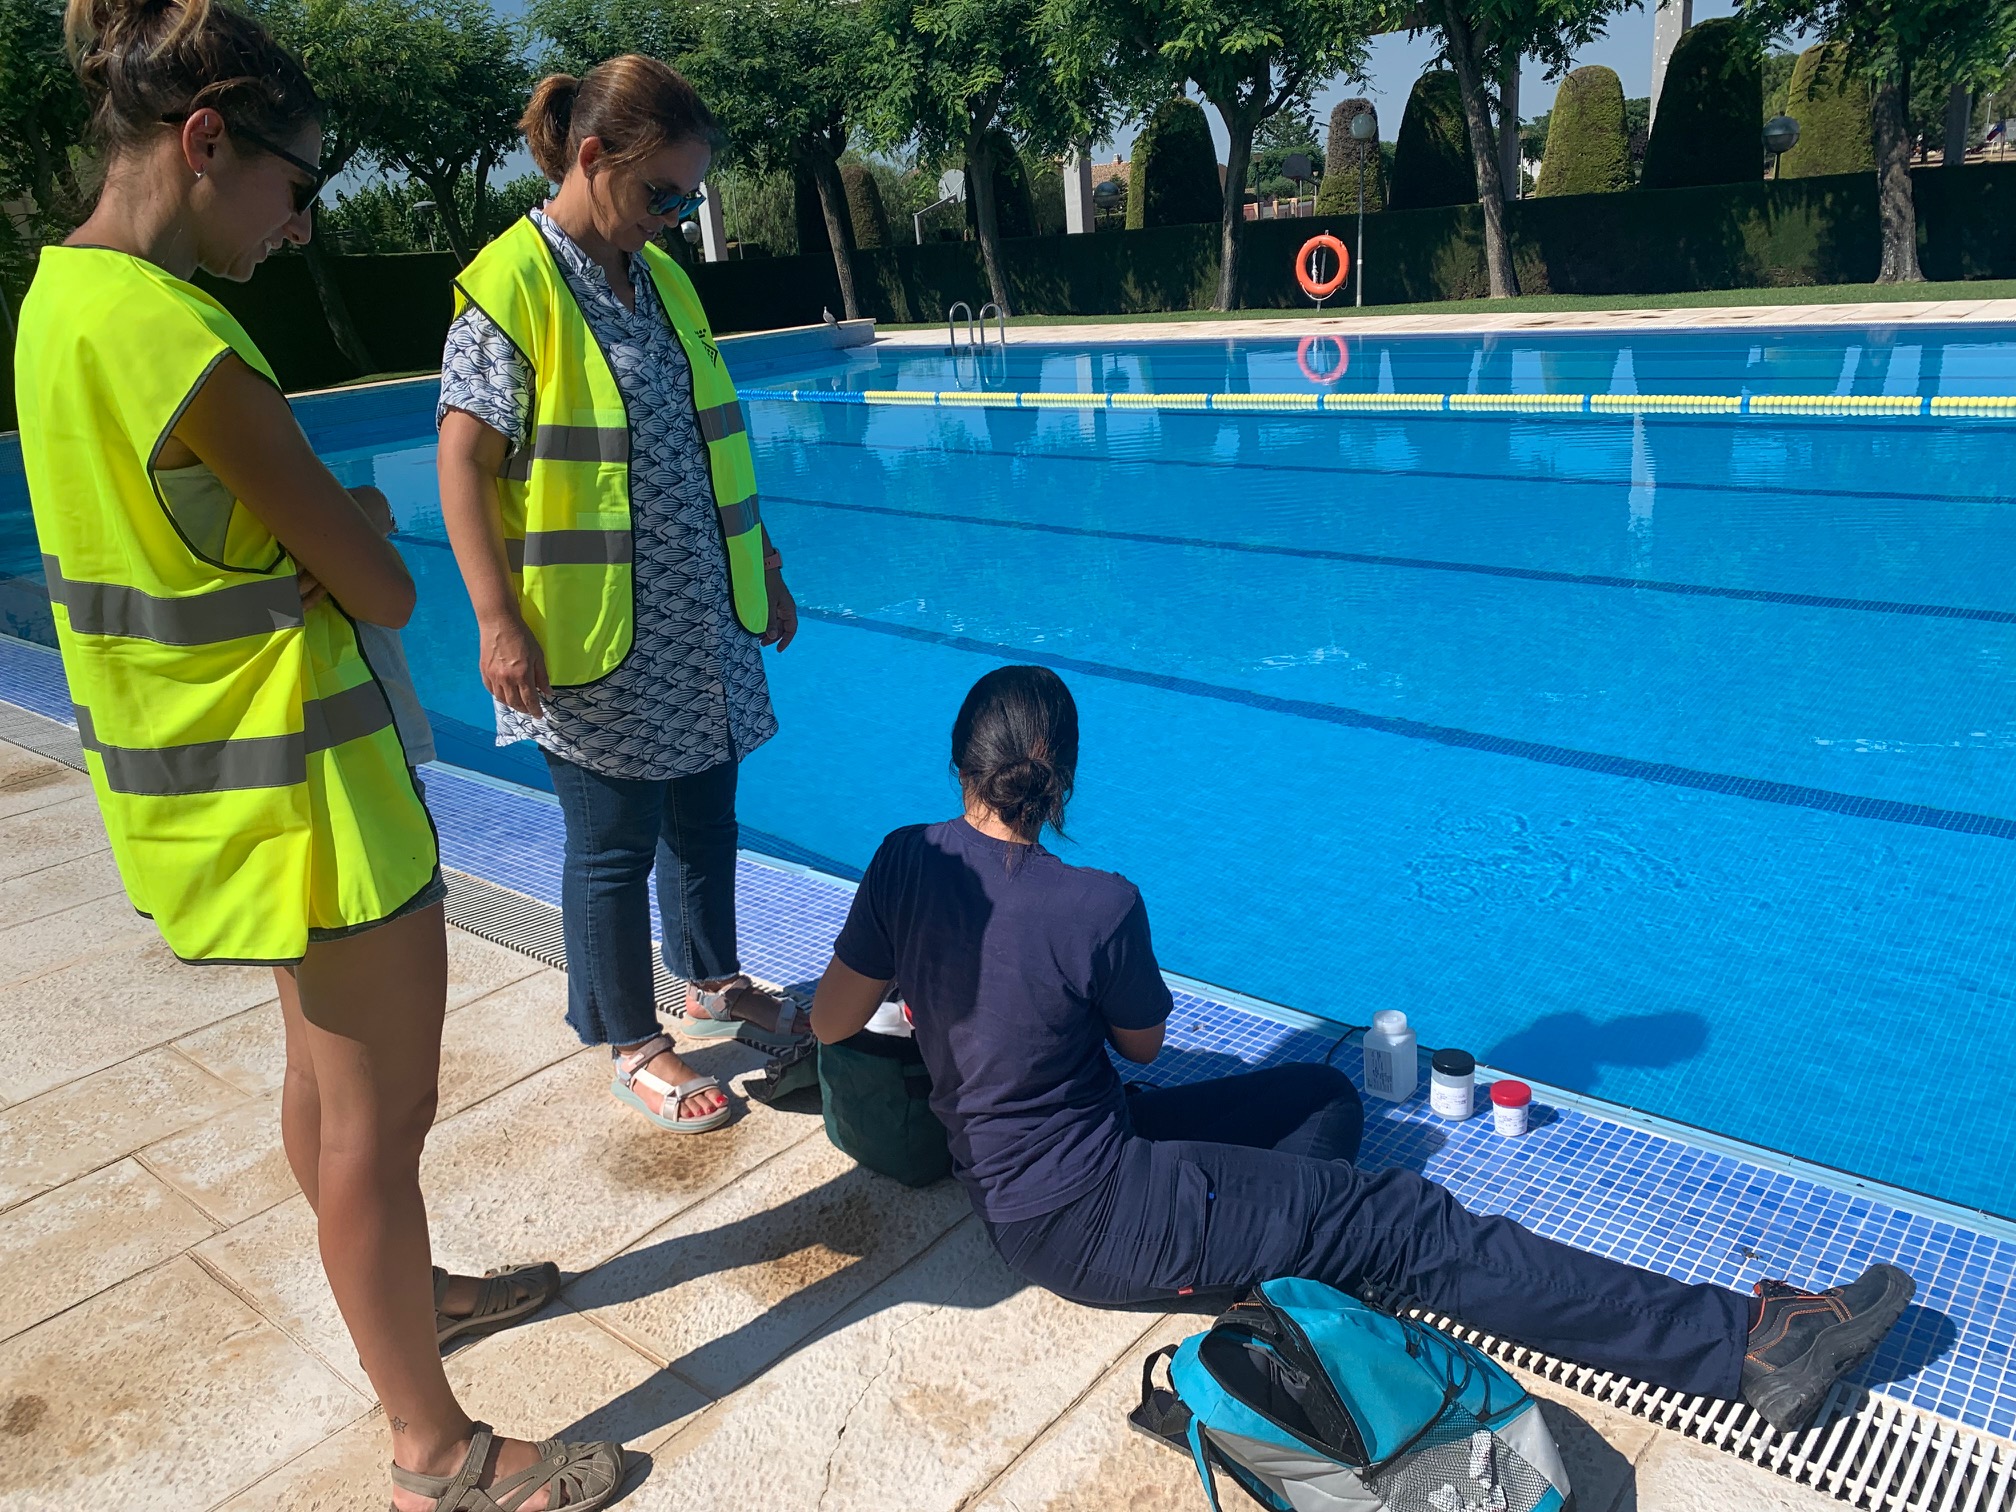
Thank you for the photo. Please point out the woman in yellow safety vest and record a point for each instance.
(598, 488)
(226, 613)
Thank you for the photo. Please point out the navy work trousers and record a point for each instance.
(1229, 1183)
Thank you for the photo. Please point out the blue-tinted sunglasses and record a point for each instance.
(672, 202)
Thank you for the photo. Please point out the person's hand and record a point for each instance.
(377, 508)
(312, 591)
(514, 666)
(783, 612)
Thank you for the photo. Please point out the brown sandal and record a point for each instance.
(504, 1296)
(583, 1477)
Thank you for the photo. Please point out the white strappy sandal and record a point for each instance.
(630, 1075)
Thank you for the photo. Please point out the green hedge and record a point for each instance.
(1798, 231)
(1709, 129)
(1588, 145)
(864, 207)
(1338, 193)
(1432, 163)
(1833, 107)
(1172, 179)
(1014, 210)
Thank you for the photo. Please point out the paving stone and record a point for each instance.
(558, 1376)
(1676, 1474)
(1090, 1460)
(274, 1262)
(56, 940)
(65, 884)
(166, 1393)
(29, 780)
(248, 1050)
(93, 1233)
(476, 967)
(1599, 1445)
(231, 1166)
(79, 1127)
(733, 1282)
(916, 1398)
(49, 834)
(554, 1168)
(94, 1013)
(504, 1037)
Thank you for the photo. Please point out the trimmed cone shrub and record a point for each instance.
(810, 216)
(1588, 145)
(1338, 194)
(1833, 108)
(864, 207)
(1432, 164)
(1014, 214)
(1172, 179)
(1711, 111)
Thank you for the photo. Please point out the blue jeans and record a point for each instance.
(1229, 1183)
(616, 827)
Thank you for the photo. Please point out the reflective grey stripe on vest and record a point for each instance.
(256, 761)
(223, 614)
(721, 421)
(570, 548)
(569, 443)
(739, 519)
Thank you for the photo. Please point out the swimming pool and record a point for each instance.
(1662, 758)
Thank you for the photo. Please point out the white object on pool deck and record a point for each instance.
(1511, 1102)
(1391, 1066)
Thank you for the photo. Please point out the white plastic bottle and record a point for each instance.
(1391, 1066)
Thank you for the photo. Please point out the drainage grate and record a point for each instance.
(1869, 1451)
(1866, 1450)
(530, 927)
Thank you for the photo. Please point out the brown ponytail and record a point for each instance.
(635, 105)
(146, 63)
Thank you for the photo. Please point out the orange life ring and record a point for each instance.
(1328, 375)
(1321, 288)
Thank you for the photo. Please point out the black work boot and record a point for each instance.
(1803, 1342)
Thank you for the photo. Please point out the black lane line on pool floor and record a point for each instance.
(1030, 454)
(1764, 791)
(1426, 564)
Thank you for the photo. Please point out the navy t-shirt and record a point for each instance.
(1013, 964)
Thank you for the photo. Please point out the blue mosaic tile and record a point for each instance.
(1635, 1194)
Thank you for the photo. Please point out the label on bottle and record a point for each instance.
(1451, 1096)
(1378, 1071)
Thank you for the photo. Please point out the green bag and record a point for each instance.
(876, 1093)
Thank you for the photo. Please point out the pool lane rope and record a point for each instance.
(1984, 406)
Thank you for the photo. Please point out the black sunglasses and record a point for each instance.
(672, 202)
(306, 194)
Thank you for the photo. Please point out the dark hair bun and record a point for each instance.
(1015, 747)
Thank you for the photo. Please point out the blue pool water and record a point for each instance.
(1666, 759)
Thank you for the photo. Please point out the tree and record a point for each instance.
(1482, 40)
(954, 73)
(864, 207)
(42, 117)
(1292, 131)
(1252, 60)
(581, 33)
(786, 79)
(1431, 155)
(1900, 46)
(1707, 131)
(1833, 107)
(1172, 179)
(470, 84)
(358, 54)
(1588, 146)
(1014, 209)
(1346, 159)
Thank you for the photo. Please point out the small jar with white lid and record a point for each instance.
(1452, 1086)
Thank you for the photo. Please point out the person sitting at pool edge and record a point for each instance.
(1020, 971)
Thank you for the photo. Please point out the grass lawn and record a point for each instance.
(1802, 294)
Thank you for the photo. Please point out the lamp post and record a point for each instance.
(1107, 194)
(1781, 135)
(1364, 130)
(424, 210)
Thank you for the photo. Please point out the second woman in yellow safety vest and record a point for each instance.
(218, 596)
(597, 485)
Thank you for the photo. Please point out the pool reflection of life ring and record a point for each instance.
(1321, 288)
(1328, 375)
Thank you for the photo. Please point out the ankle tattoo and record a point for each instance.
(398, 1425)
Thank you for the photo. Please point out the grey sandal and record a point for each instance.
(583, 1477)
(505, 1295)
(718, 1015)
(630, 1075)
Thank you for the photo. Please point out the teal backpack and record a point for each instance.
(1313, 1402)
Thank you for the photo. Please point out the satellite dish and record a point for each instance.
(952, 184)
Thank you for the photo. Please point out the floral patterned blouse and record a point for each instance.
(692, 693)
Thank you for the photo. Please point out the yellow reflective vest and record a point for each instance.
(565, 493)
(243, 755)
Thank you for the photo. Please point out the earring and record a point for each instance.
(199, 174)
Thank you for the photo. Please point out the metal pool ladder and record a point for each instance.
(976, 327)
